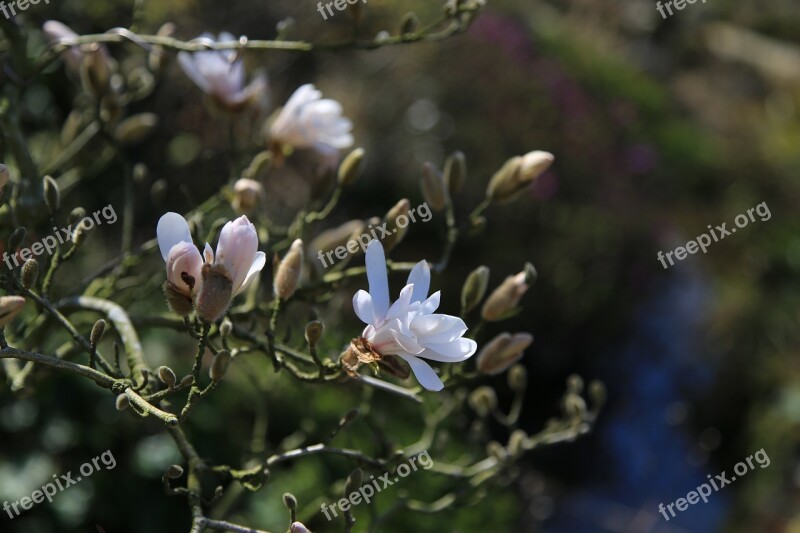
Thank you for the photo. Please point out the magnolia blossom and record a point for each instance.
(409, 328)
(211, 279)
(182, 256)
(99, 60)
(220, 74)
(310, 121)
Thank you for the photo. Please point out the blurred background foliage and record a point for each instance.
(659, 128)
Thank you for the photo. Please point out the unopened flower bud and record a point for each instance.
(186, 381)
(216, 293)
(517, 378)
(505, 298)
(290, 501)
(122, 402)
(314, 332)
(96, 69)
(3, 176)
(167, 376)
(502, 352)
(455, 171)
(247, 194)
(16, 238)
(396, 224)
(174, 472)
(433, 187)
(219, 367)
(474, 288)
(136, 129)
(52, 194)
(350, 167)
(10, 306)
(353, 482)
(98, 330)
(156, 58)
(517, 173)
(483, 400)
(226, 327)
(298, 527)
(30, 272)
(289, 271)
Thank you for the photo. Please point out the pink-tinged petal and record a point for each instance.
(399, 308)
(189, 66)
(208, 254)
(425, 375)
(420, 276)
(171, 230)
(184, 258)
(388, 340)
(431, 304)
(255, 268)
(378, 280)
(450, 352)
(362, 304)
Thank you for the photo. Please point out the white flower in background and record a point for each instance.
(55, 31)
(184, 262)
(220, 74)
(409, 328)
(220, 278)
(310, 121)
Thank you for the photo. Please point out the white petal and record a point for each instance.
(399, 308)
(450, 352)
(171, 230)
(378, 279)
(424, 373)
(420, 276)
(255, 268)
(437, 328)
(208, 254)
(431, 304)
(362, 304)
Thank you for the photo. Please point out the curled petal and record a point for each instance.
(420, 277)
(424, 373)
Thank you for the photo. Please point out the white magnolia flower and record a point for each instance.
(409, 328)
(182, 256)
(237, 253)
(221, 75)
(310, 121)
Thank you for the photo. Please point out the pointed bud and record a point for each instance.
(396, 224)
(96, 69)
(505, 298)
(226, 327)
(136, 129)
(219, 367)
(122, 402)
(433, 187)
(98, 330)
(474, 288)
(455, 171)
(174, 472)
(52, 194)
(313, 332)
(3, 176)
(16, 239)
(483, 401)
(167, 376)
(502, 352)
(186, 381)
(409, 23)
(289, 271)
(10, 306)
(517, 378)
(30, 272)
(353, 482)
(298, 527)
(350, 167)
(290, 501)
(247, 194)
(517, 173)
(215, 294)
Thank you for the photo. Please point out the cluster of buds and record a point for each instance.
(208, 282)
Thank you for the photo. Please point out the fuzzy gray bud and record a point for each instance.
(433, 187)
(455, 171)
(30, 272)
(98, 330)
(289, 272)
(350, 167)
(219, 367)
(314, 332)
(167, 375)
(474, 288)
